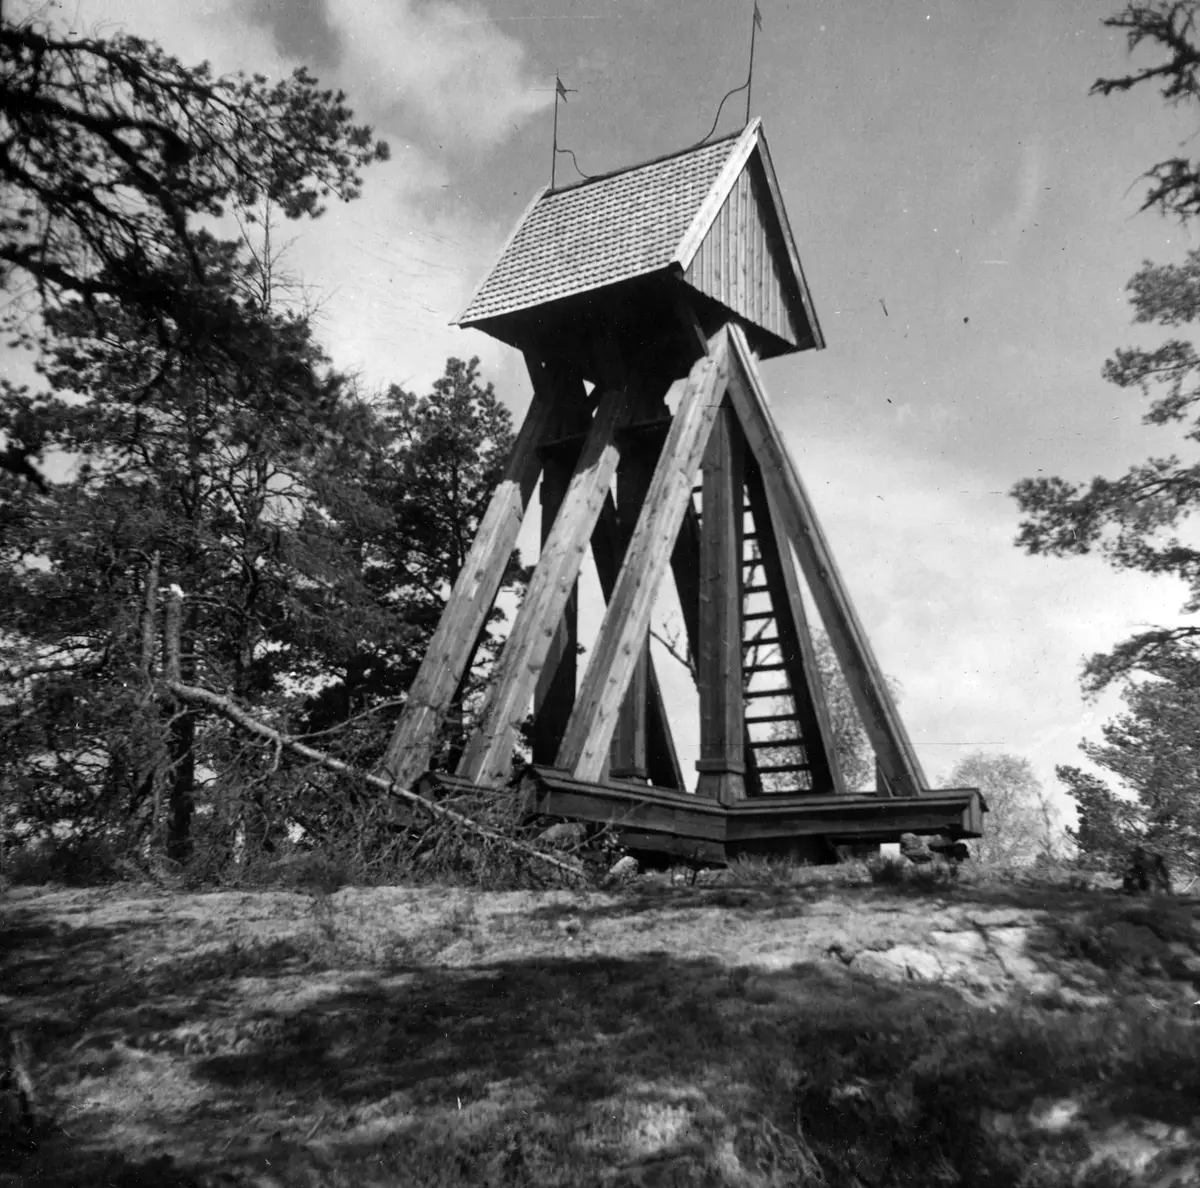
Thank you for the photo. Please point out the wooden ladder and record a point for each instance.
(786, 749)
(776, 747)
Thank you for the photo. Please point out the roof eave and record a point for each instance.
(458, 321)
(600, 286)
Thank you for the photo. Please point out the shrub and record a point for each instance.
(892, 870)
(888, 870)
(75, 862)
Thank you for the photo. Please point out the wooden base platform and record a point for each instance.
(663, 821)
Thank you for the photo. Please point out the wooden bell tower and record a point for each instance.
(641, 302)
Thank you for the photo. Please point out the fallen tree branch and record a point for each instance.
(234, 713)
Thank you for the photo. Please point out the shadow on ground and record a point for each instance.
(252, 1064)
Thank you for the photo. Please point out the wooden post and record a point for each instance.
(415, 736)
(722, 763)
(628, 757)
(894, 751)
(584, 748)
(488, 758)
(554, 694)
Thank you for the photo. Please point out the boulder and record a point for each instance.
(566, 835)
(914, 849)
(623, 871)
(901, 963)
(951, 851)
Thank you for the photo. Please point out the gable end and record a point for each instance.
(743, 261)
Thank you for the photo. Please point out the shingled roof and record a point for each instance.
(642, 220)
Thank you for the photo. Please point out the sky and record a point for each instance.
(967, 216)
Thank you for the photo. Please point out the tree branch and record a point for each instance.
(234, 713)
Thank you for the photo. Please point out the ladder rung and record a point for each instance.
(768, 641)
(758, 615)
(757, 590)
(780, 768)
(778, 742)
(771, 718)
(784, 692)
(749, 535)
(763, 667)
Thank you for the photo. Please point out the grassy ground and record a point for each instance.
(660, 1035)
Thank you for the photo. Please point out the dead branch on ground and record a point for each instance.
(234, 713)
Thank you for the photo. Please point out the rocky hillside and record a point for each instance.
(765, 1028)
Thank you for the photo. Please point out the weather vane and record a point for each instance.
(755, 25)
(560, 92)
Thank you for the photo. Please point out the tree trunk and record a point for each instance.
(1146, 873)
(146, 787)
(181, 739)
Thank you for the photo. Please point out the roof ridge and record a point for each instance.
(599, 177)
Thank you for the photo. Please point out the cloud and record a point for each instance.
(466, 79)
(388, 272)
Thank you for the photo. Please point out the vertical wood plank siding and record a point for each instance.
(737, 263)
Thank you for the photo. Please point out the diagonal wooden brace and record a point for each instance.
(415, 737)
(617, 650)
(487, 761)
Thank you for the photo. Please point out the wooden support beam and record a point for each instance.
(608, 549)
(488, 756)
(554, 694)
(445, 663)
(585, 746)
(795, 641)
(722, 763)
(628, 758)
(897, 758)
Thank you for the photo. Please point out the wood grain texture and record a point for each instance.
(722, 761)
(488, 757)
(628, 758)
(894, 751)
(704, 218)
(554, 694)
(626, 623)
(789, 243)
(413, 741)
(662, 760)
